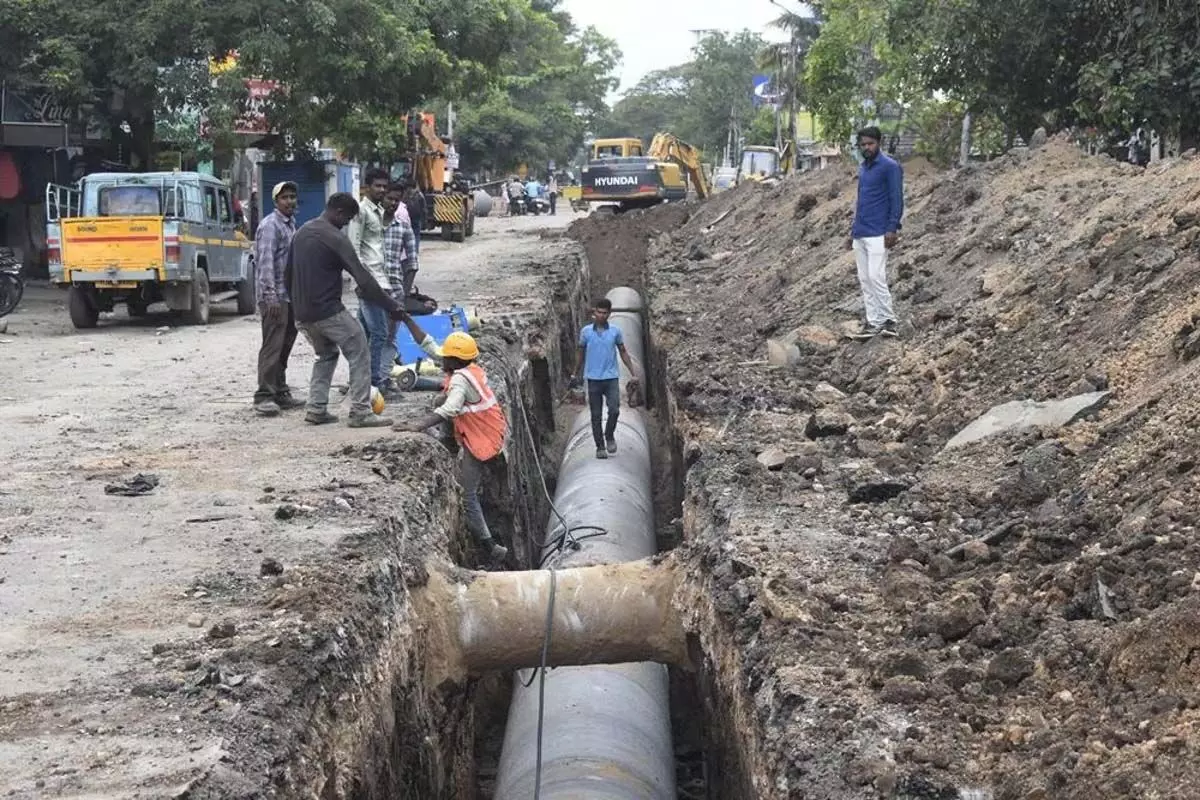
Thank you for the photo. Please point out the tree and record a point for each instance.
(698, 101)
(1018, 60)
(553, 93)
(786, 61)
(348, 68)
(658, 102)
(1144, 68)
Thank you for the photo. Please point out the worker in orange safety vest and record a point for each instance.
(472, 410)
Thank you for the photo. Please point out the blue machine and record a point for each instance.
(439, 325)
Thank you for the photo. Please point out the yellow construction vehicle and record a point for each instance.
(758, 163)
(667, 147)
(621, 171)
(449, 204)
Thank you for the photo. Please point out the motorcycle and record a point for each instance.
(537, 205)
(12, 285)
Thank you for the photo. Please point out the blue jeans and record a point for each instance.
(377, 323)
(601, 393)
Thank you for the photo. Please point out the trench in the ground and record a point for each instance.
(417, 740)
(551, 418)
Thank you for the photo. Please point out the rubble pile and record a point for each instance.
(1013, 614)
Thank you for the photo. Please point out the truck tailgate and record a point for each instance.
(104, 243)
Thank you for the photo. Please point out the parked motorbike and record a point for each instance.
(12, 285)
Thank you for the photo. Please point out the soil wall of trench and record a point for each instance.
(342, 703)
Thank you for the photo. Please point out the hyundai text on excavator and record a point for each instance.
(620, 172)
(449, 203)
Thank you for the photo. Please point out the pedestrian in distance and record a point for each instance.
(272, 241)
(600, 344)
(877, 222)
(319, 254)
(471, 409)
(366, 234)
(552, 191)
(414, 201)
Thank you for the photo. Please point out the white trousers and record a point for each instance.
(871, 255)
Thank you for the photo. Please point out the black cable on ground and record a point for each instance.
(559, 540)
(540, 673)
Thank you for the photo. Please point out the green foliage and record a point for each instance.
(762, 128)
(851, 69)
(1144, 68)
(697, 101)
(553, 93)
(348, 68)
(659, 102)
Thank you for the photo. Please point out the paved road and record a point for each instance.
(90, 582)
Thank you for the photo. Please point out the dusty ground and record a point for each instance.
(848, 654)
(119, 676)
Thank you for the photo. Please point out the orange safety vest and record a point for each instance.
(481, 426)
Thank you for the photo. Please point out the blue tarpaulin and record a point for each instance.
(439, 325)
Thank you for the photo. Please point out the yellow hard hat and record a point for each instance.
(461, 346)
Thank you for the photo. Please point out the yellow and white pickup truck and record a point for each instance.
(141, 238)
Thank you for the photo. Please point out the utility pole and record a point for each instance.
(794, 82)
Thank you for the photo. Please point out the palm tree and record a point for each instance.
(786, 59)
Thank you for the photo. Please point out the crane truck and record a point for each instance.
(449, 202)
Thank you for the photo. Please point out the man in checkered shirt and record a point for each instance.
(400, 267)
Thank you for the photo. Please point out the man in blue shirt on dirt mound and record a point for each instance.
(876, 230)
(599, 346)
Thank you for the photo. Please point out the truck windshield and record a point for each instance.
(758, 163)
(130, 201)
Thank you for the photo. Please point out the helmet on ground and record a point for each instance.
(377, 401)
(461, 346)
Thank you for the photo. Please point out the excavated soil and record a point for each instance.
(846, 650)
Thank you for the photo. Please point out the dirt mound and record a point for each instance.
(617, 243)
(1011, 616)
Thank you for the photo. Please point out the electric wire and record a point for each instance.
(563, 536)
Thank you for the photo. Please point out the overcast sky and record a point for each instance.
(654, 34)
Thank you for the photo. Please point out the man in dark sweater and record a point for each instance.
(319, 254)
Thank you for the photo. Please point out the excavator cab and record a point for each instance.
(759, 163)
(619, 172)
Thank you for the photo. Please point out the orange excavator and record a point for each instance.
(449, 203)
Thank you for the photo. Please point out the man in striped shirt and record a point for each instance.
(271, 243)
(400, 267)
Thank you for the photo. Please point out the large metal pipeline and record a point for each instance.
(605, 730)
(606, 614)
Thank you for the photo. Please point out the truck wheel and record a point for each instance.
(471, 223)
(245, 299)
(454, 233)
(82, 308)
(197, 314)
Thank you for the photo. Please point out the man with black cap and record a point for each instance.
(271, 243)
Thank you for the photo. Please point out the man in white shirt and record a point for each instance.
(366, 234)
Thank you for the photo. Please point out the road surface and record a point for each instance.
(90, 583)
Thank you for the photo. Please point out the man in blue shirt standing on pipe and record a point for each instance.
(600, 344)
(876, 230)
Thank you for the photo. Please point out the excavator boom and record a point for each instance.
(669, 147)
